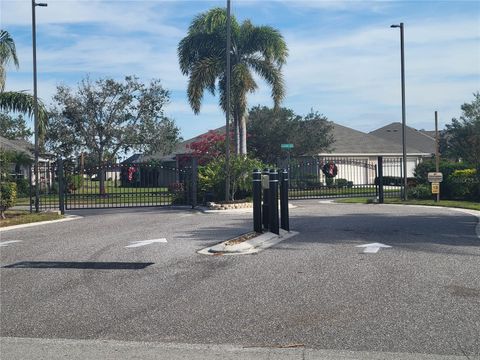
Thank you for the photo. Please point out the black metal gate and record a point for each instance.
(127, 185)
(340, 177)
(64, 185)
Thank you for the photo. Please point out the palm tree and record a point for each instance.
(17, 101)
(255, 49)
(7, 53)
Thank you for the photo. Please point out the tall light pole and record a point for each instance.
(227, 120)
(35, 103)
(404, 146)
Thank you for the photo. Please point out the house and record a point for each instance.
(25, 168)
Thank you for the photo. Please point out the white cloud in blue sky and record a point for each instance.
(344, 58)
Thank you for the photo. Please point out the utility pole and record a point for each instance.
(437, 150)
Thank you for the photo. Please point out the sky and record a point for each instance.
(344, 59)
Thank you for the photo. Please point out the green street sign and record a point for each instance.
(286, 146)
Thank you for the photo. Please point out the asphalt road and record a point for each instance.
(317, 289)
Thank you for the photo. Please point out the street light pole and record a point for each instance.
(227, 120)
(404, 146)
(35, 104)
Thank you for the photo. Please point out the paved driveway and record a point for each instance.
(316, 289)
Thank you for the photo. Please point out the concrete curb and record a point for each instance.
(15, 348)
(21, 226)
(252, 246)
(249, 210)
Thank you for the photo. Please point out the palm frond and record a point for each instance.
(203, 76)
(8, 51)
(14, 101)
(272, 75)
(264, 40)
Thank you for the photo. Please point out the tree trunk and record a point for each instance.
(243, 135)
(236, 133)
(100, 174)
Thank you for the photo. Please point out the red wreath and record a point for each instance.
(131, 172)
(330, 169)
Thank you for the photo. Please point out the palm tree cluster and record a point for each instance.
(254, 49)
(17, 101)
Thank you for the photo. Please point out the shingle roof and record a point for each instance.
(421, 140)
(22, 146)
(350, 142)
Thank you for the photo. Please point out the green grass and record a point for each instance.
(17, 217)
(472, 205)
(293, 193)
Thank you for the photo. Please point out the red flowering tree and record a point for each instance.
(209, 146)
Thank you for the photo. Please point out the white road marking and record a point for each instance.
(6, 243)
(145, 242)
(373, 247)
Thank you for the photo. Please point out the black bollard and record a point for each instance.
(257, 201)
(273, 203)
(284, 219)
(266, 199)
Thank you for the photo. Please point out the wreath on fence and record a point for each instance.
(330, 169)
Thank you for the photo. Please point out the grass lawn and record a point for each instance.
(17, 217)
(446, 203)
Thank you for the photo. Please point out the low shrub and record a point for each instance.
(342, 183)
(421, 192)
(74, 182)
(23, 187)
(464, 185)
(8, 196)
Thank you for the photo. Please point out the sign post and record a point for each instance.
(435, 178)
(287, 147)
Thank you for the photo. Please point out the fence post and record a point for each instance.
(284, 219)
(194, 181)
(273, 205)
(61, 186)
(266, 200)
(257, 201)
(380, 180)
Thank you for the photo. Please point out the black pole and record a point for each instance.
(257, 201)
(380, 180)
(266, 200)
(194, 181)
(273, 205)
(227, 112)
(284, 219)
(61, 186)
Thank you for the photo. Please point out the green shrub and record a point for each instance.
(23, 187)
(447, 168)
(211, 177)
(329, 181)
(74, 182)
(8, 196)
(420, 192)
(342, 183)
(465, 184)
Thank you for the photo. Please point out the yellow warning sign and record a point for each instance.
(435, 188)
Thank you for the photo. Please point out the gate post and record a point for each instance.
(31, 188)
(285, 222)
(273, 205)
(194, 181)
(380, 180)
(257, 201)
(61, 186)
(266, 199)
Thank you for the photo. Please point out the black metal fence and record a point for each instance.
(339, 177)
(64, 185)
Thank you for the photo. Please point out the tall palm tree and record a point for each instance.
(255, 49)
(17, 101)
